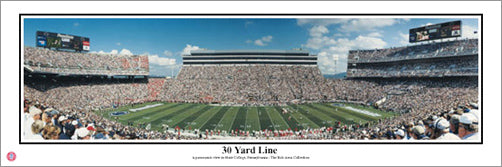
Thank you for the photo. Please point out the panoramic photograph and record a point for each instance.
(206, 79)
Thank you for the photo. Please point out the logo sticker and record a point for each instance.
(11, 156)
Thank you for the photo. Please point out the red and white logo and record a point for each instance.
(11, 156)
(86, 45)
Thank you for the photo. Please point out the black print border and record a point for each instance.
(246, 14)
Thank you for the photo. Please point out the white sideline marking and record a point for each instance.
(362, 111)
(145, 107)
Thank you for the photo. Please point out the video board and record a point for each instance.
(62, 41)
(436, 31)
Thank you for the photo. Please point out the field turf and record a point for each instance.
(203, 116)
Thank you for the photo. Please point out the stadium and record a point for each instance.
(416, 91)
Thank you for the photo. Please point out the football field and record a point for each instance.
(203, 116)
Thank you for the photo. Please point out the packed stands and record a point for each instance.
(453, 58)
(74, 63)
(251, 84)
(427, 84)
(431, 50)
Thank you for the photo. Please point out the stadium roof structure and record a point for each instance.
(256, 57)
(251, 52)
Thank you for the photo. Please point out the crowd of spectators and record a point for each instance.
(452, 58)
(66, 107)
(430, 50)
(91, 94)
(46, 60)
(43, 122)
(414, 99)
(443, 67)
(430, 108)
(245, 84)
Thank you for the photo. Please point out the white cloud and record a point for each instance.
(326, 63)
(426, 24)
(468, 32)
(263, 41)
(375, 34)
(332, 49)
(332, 53)
(351, 25)
(168, 53)
(155, 59)
(339, 35)
(403, 38)
(363, 42)
(76, 24)
(125, 52)
(323, 22)
(267, 38)
(118, 44)
(331, 62)
(161, 65)
(318, 31)
(188, 48)
(259, 42)
(367, 24)
(114, 52)
(319, 42)
(247, 23)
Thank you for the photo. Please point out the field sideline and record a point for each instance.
(203, 116)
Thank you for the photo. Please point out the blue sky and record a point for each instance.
(166, 39)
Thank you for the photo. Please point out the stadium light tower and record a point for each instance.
(335, 57)
(172, 69)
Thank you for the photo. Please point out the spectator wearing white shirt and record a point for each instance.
(34, 115)
(36, 129)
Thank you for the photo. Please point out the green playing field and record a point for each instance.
(203, 116)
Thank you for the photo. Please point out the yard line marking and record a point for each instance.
(273, 125)
(215, 115)
(281, 118)
(201, 125)
(304, 116)
(233, 120)
(246, 120)
(258, 116)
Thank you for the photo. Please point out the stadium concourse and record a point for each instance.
(433, 87)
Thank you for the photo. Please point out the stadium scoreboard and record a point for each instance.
(62, 41)
(436, 31)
